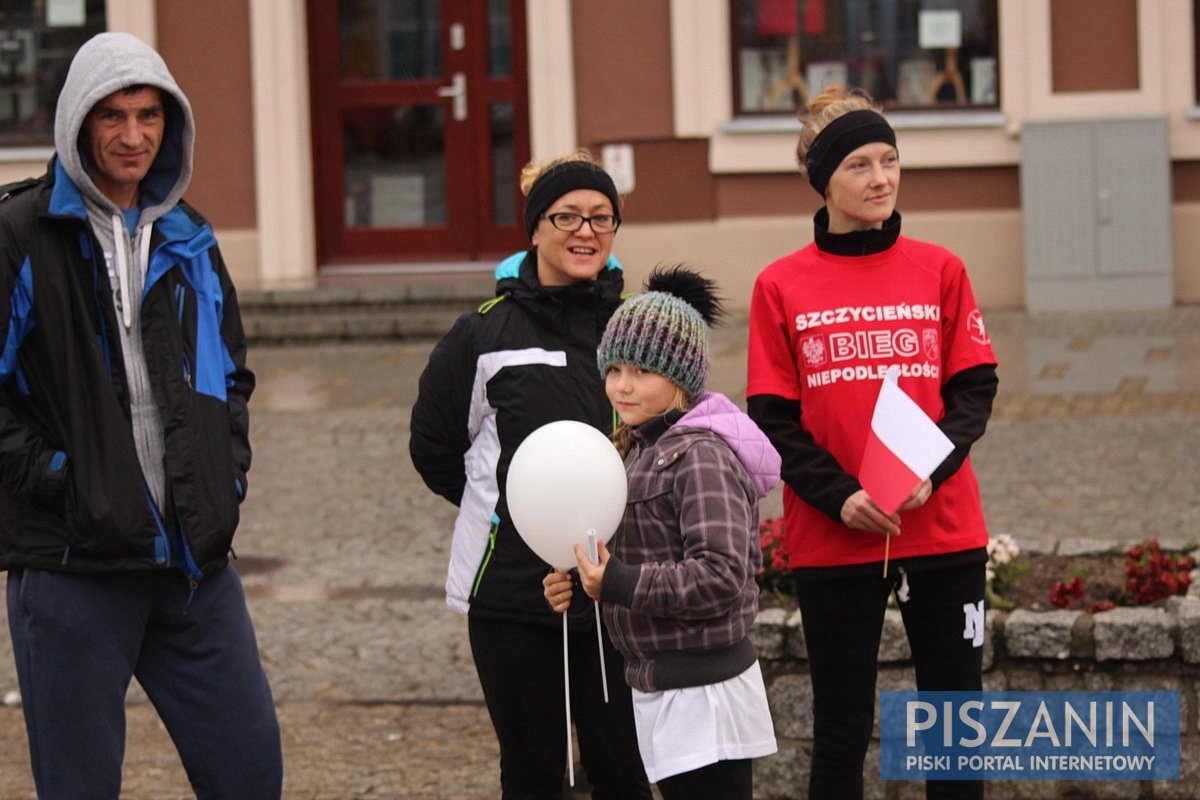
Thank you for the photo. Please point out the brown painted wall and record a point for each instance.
(920, 190)
(765, 195)
(1185, 182)
(207, 48)
(1094, 45)
(673, 182)
(622, 70)
(975, 188)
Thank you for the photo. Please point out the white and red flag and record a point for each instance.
(904, 446)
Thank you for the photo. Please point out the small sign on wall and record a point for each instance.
(618, 162)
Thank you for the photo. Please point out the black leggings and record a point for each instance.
(843, 621)
(520, 670)
(724, 780)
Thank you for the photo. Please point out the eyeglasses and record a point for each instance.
(566, 221)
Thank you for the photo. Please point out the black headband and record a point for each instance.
(842, 137)
(562, 178)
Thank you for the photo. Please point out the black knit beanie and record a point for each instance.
(562, 178)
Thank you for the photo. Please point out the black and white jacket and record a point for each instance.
(522, 360)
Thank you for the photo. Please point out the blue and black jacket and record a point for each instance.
(72, 494)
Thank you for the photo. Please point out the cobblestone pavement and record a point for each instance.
(1094, 441)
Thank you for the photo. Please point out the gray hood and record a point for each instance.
(108, 62)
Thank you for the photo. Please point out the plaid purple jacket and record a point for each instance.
(679, 590)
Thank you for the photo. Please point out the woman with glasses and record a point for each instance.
(826, 322)
(524, 359)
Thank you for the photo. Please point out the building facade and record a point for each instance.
(1053, 144)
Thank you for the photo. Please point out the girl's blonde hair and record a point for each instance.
(622, 437)
(534, 169)
(833, 101)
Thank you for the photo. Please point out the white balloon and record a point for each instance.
(565, 479)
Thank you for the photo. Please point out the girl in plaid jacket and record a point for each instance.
(678, 585)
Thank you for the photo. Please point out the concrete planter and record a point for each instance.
(1123, 649)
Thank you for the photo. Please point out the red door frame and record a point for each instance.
(470, 231)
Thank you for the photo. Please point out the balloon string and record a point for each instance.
(600, 648)
(594, 557)
(567, 699)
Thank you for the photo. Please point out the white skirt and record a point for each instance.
(680, 730)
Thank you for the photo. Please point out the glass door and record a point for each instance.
(419, 128)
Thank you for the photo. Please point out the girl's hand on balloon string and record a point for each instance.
(558, 591)
(591, 576)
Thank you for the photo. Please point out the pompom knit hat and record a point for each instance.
(664, 329)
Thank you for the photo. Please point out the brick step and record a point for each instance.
(340, 314)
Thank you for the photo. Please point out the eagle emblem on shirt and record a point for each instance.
(814, 351)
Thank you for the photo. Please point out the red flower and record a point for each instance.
(1151, 574)
(1063, 595)
(775, 575)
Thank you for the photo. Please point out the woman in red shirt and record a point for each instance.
(825, 324)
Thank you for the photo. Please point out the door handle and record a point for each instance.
(457, 90)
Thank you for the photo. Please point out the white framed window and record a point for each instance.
(909, 54)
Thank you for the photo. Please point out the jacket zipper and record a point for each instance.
(180, 305)
(487, 555)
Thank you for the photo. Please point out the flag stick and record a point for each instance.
(567, 697)
(887, 547)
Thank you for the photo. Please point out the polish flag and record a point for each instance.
(904, 446)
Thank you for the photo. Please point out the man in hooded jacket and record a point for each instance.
(124, 446)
